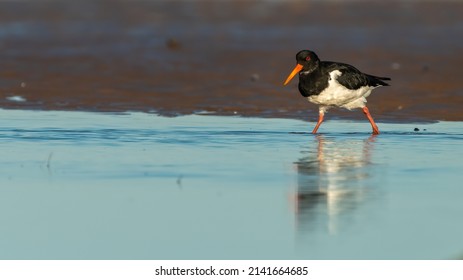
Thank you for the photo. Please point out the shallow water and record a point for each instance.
(77, 185)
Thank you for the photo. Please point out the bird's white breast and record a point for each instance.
(336, 95)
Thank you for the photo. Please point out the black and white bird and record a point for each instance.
(333, 84)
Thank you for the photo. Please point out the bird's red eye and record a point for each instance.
(307, 58)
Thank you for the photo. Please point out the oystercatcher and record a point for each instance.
(333, 84)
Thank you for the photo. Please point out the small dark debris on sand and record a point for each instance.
(173, 44)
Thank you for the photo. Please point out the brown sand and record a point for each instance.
(227, 57)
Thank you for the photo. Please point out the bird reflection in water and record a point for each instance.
(331, 182)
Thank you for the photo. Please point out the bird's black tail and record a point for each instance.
(378, 81)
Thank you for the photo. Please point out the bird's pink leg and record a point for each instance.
(372, 122)
(320, 120)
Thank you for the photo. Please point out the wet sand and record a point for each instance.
(80, 185)
(227, 57)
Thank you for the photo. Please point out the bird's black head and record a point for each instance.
(307, 61)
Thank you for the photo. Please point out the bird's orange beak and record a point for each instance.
(296, 70)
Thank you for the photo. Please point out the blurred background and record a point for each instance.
(227, 57)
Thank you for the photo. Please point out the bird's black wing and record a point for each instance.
(351, 77)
